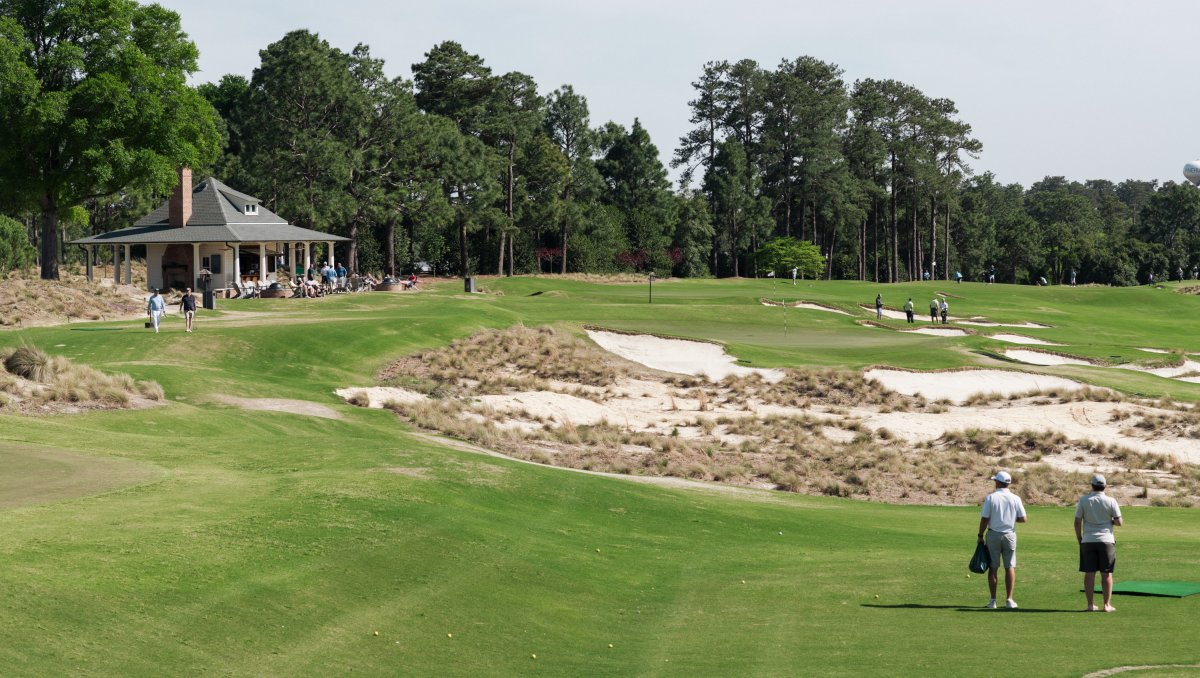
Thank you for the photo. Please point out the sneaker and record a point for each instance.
(1010, 604)
(991, 604)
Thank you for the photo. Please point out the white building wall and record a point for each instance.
(154, 257)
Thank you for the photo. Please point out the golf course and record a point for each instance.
(253, 522)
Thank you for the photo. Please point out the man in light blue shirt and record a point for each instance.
(1002, 510)
(155, 309)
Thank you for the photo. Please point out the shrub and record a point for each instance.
(30, 363)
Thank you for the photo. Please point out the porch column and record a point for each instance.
(262, 263)
(91, 256)
(195, 265)
(128, 265)
(332, 263)
(237, 265)
(307, 258)
(117, 264)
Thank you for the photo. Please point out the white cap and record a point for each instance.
(1099, 481)
(1002, 477)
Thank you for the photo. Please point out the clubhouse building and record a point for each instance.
(211, 227)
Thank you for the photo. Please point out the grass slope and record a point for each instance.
(277, 544)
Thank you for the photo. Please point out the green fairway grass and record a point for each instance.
(197, 538)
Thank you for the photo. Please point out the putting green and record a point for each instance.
(1167, 589)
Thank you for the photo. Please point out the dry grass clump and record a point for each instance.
(26, 300)
(800, 387)
(34, 381)
(499, 361)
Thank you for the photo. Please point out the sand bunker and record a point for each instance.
(696, 358)
(918, 314)
(960, 385)
(378, 396)
(281, 405)
(1022, 339)
(1188, 366)
(988, 323)
(811, 306)
(1153, 350)
(939, 331)
(1042, 358)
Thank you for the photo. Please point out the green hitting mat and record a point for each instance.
(1169, 589)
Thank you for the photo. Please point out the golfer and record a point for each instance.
(1002, 510)
(155, 309)
(187, 305)
(879, 307)
(908, 309)
(1095, 515)
(933, 311)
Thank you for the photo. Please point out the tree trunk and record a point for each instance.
(946, 245)
(895, 251)
(932, 232)
(49, 249)
(500, 261)
(875, 238)
(733, 238)
(510, 255)
(389, 246)
(352, 253)
(464, 261)
(563, 234)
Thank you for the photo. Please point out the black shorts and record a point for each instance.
(1097, 557)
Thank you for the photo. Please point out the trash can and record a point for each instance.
(469, 284)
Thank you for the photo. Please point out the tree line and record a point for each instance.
(484, 172)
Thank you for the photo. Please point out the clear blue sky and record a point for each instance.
(1095, 90)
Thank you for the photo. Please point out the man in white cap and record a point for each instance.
(1002, 510)
(1095, 515)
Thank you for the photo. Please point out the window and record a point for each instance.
(214, 264)
(251, 209)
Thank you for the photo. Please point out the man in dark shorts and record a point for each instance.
(187, 306)
(933, 311)
(1095, 516)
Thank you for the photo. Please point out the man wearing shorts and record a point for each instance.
(1095, 515)
(933, 311)
(1002, 510)
(187, 305)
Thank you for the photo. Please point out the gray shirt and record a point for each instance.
(1097, 510)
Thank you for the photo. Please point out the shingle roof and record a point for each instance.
(216, 217)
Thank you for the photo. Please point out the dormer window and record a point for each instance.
(250, 209)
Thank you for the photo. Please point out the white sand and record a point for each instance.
(818, 307)
(989, 323)
(803, 304)
(1168, 372)
(1022, 339)
(1082, 421)
(939, 331)
(918, 313)
(1040, 358)
(284, 405)
(1153, 350)
(379, 395)
(696, 358)
(961, 385)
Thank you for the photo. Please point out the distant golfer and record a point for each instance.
(933, 311)
(155, 309)
(794, 272)
(1002, 510)
(1095, 516)
(945, 309)
(879, 307)
(187, 305)
(1072, 277)
(908, 309)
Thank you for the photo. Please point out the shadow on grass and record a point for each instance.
(99, 329)
(964, 608)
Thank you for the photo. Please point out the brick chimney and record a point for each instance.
(181, 199)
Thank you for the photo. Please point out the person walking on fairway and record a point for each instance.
(1095, 516)
(945, 308)
(187, 306)
(908, 309)
(933, 311)
(155, 309)
(1002, 510)
(879, 307)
